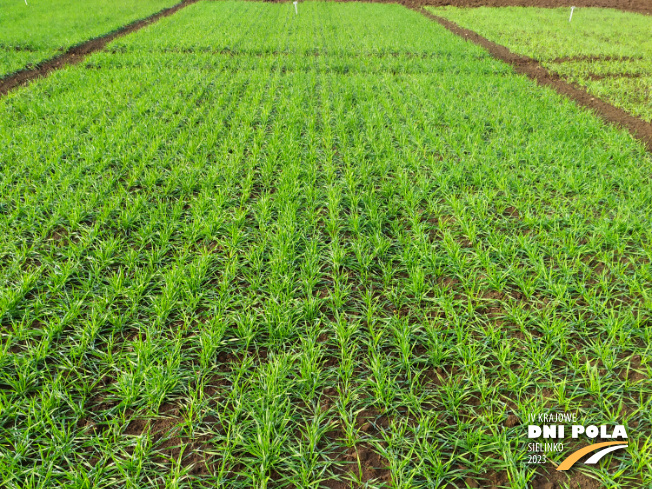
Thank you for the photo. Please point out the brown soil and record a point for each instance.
(533, 69)
(554, 480)
(169, 441)
(362, 462)
(574, 479)
(77, 53)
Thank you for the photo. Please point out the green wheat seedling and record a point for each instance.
(248, 248)
(34, 32)
(589, 51)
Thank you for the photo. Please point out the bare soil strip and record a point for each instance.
(532, 68)
(76, 54)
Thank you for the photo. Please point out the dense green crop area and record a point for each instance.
(344, 248)
(626, 83)
(607, 51)
(40, 29)
(545, 34)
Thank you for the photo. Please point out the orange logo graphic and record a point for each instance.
(575, 456)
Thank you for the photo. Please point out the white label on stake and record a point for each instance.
(296, 12)
(571, 17)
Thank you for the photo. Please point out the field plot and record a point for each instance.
(244, 248)
(606, 51)
(41, 29)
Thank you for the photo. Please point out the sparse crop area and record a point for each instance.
(606, 51)
(36, 31)
(346, 248)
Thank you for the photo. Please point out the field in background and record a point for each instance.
(606, 51)
(41, 29)
(244, 248)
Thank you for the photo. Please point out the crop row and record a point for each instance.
(31, 32)
(604, 50)
(256, 268)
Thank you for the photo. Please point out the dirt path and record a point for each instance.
(532, 68)
(77, 53)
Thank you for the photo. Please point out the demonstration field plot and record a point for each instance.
(248, 262)
(627, 83)
(606, 51)
(41, 29)
(323, 29)
(546, 34)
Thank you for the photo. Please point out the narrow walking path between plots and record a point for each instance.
(522, 64)
(76, 54)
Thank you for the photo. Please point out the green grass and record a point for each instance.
(41, 29)
(279, 250)
(600, 49)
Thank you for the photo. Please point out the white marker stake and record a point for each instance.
(571, 17)
(296, 12)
